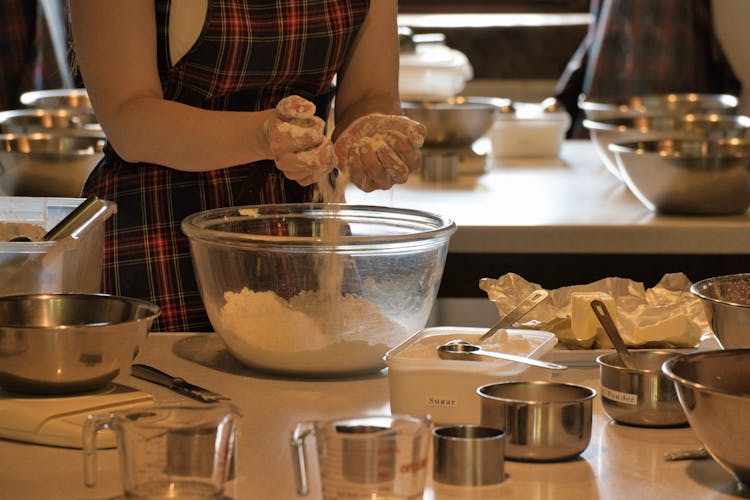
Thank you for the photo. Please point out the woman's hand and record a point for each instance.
(298, 142)
(379, 150)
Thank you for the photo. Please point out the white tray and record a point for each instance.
(587, 357)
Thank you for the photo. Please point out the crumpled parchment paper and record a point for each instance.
(636, 307)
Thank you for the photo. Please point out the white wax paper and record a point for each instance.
(636, 307)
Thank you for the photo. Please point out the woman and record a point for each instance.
(638, 47)
(213, 103)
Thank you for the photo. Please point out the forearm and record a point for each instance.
(186, 138)
(368, 82)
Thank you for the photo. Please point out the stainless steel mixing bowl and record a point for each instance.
(644, 397)
(652, 127)
(456, 122)
(726, 301)
(56, 98)
(687, 176)
(543, 421)
(62, 121)
(597, 108)
(43, 164)
(713, 389)
(66, 343)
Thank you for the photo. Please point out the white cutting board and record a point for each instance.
(58, 421)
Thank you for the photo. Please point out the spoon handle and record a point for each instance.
(602, 314)
(516, 313)
(520, 359)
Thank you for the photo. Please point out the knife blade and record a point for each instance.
(177, 384)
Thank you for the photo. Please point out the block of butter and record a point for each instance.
(584, 324)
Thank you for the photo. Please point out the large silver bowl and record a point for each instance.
(43, 164)
(652, 127)
(687, 176)
(57, 98)
(714, 392)
(597, 108)
(456, 122)
(62, 121)
(321, 289)
(66, 343)
(726, 301)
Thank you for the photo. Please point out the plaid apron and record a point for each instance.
(250, 55)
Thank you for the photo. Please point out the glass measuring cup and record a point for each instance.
(373, 457)
(168, 451)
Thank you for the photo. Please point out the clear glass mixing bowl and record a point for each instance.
(320, 289)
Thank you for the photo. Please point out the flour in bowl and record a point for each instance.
(311, 332)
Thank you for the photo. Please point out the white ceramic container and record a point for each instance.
(529, 133)
(421, 383)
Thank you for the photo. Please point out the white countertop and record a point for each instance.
(620, 463)
(570, 204)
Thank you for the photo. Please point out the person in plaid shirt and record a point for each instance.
(215, 103)
(637, 47)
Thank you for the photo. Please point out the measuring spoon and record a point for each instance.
(602, 314)
(459, 349)
(516, 313)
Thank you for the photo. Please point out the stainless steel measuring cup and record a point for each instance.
(364, 457)
(168, 451)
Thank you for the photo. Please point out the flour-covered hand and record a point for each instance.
(379, 151)
(298, 142)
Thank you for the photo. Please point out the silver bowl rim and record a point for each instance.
(93, 143)
(153, 310)
(32, 96)
(695, 288)
(622, 103)
(668, 370)
(589, 393)
(623, 123)
(492, 103)
(635, 352)
(12, 113)
(651, 147)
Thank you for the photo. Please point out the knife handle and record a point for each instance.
(151, 374)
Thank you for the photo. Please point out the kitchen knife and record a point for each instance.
(176, 384)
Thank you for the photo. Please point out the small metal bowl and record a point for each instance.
(543, 421)
(597, 108)
(456, 122)
(651, 127)
(644, 397)
(713, 390)
(687, 176)
(726, 301)
(49, 165)
(57, 98)
(68, 343)
(62, 121)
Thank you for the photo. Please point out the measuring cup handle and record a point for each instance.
(299, 433)
(93, 424)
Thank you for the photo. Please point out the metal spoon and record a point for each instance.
(516, 313)
(459, 349)
(602, 314)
